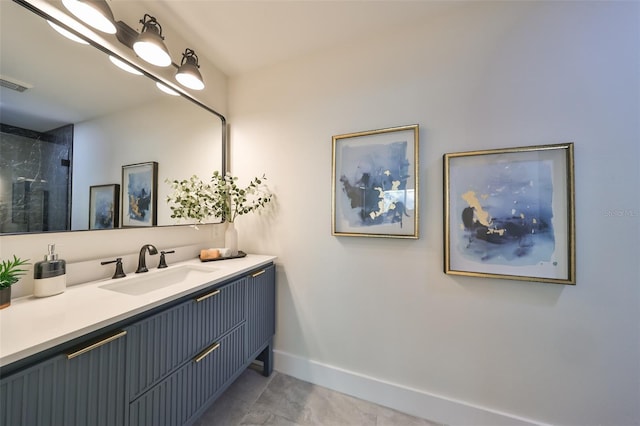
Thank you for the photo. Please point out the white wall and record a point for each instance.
(187, 142)
(358, 314)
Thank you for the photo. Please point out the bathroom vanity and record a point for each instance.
(148, 357)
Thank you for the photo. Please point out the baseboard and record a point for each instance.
(401, 398)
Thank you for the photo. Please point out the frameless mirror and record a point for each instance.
(79, 119)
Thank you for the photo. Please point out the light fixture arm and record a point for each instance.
(190, 56)
(150, 23)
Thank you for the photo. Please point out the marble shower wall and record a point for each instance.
(35, 179)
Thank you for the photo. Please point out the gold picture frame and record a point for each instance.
(375, 183)
(509, 213)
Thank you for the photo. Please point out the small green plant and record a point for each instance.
(222, 197)
(11, 271)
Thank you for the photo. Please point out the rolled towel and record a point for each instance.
(209, 254)
(225, 252)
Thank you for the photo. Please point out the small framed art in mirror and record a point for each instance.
(140, 194)
(104, 206)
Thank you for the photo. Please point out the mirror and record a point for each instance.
(80, 120)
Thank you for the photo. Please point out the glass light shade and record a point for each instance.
(167, 89)
(66, 33)
(189, 76)
(95, 13)
(150, 47)
(124, 66)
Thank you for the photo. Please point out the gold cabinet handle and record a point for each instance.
(257, 274)
(96, 345)
(206, 352)
(206, 296)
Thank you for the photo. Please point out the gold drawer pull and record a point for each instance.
(96, 345)
(206, 352)
(257, 274)
(206, 296)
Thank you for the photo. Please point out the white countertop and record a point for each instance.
(31, 324)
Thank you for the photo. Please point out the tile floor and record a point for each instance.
(281, 400)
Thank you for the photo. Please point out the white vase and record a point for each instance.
(231, 239)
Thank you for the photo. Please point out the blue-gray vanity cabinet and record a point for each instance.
(163, 367)
(261, 325)
(81, 387)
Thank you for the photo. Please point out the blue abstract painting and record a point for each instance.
(374, 179)
(139, 196)
(502, 212)
(104, 213)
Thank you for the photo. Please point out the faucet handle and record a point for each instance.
(163, 262)
(119, 273)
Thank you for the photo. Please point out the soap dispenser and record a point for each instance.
(50, 275)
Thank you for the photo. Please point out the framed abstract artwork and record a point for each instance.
(375, 183)
(509, 213)
(140, 194)
(104, 206)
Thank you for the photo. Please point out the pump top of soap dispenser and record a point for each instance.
(51, 255)
(51, 266)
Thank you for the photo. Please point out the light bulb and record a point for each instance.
(95, 13)
(66, 33)
(167, 89)
(124, 66)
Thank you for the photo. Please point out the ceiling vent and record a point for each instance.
(13, 84)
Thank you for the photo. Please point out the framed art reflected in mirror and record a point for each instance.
(140, 194)
(104, 206)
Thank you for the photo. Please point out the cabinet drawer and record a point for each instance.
(176, 399)
(218, 311)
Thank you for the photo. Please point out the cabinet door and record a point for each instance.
(81, 388)
(175, 400)
(33, 397)
(94, 383)
(261, 292)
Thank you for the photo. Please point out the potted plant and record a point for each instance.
(10, 273)
(221, 197)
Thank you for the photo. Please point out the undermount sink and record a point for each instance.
(157, 279)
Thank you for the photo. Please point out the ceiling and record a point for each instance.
(237, 36)
(242, 36)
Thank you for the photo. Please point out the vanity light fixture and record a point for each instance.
(166, 89)
(123, 65)
(149, 45)
(95, 13)
(66, 33)
(188, 74)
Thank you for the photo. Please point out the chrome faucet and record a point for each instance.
(142, 263)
